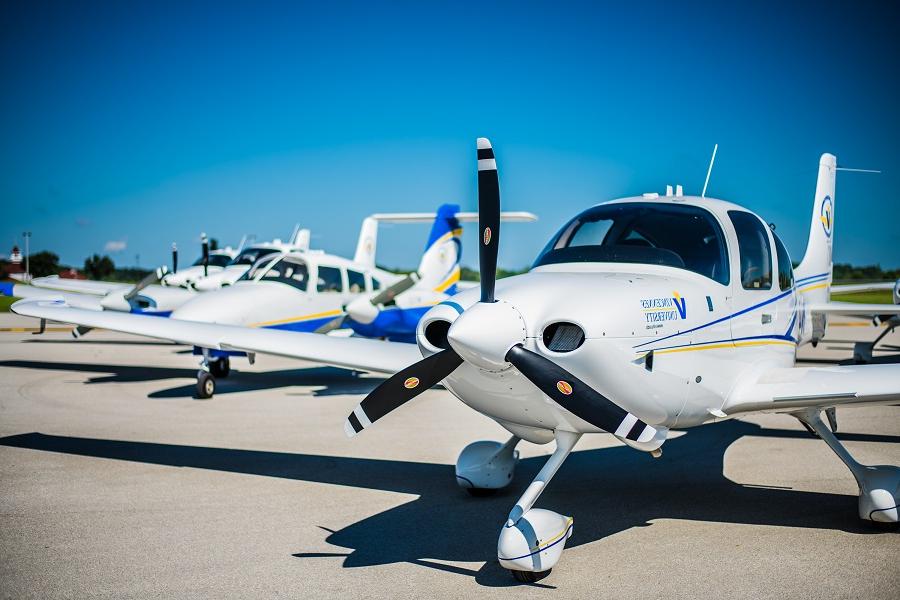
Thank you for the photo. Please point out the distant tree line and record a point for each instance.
(44, 263)
(844, 272)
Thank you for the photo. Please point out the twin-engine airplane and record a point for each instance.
(639, 316)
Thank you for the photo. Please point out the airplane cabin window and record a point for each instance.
(329, 280)
(785, 270)
(251, 255)
(356, 281)
(290, 270)
(376, 285)
(753, 246)
(682, 236)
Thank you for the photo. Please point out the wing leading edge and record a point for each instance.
(791, 389)
(351, 353)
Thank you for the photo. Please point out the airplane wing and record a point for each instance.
(79, 286)
(854, 308)
(18, 290)
(352, 353)
(854, 288)
(790, 389)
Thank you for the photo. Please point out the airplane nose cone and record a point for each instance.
(485, 332)
(362, 310)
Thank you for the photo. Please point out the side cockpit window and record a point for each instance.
(756, 254)
(330, 280)
(785, 269)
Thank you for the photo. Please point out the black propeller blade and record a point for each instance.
(488, 218)
(574, 395)
(401, 388)
(205, 242)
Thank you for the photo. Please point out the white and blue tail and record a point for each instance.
(439, 268)
(813, 274)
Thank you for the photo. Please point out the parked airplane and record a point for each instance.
(210, 261)
(640, 315)
(309, 291)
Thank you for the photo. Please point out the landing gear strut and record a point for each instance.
(879, 486)
(210, 368)
(533, 539)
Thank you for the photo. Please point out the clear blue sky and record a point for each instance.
(145, 123)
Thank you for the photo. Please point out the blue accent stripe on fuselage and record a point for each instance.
(151, 313)
(810, 278)
(722, 319)
(307, 326)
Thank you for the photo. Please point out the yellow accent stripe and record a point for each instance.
(328, 313)
(554, 538)
(811, 288)
(453, 278)
(30, 329)
(724, 346)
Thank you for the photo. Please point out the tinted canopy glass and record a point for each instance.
(251, 255)
(215, 260)
(682, 236)
(753, 245)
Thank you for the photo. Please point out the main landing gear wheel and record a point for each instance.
(220, 367)
(206, 385)
(529, 576)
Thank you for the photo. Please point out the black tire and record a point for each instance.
(481, 492)
(882, 526)
(529, 576)
(206, 385)
(220, 367)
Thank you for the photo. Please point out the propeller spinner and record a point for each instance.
(468, 342)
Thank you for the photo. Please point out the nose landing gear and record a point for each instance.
(533, 539)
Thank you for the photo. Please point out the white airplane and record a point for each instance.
(245, 258)
(210, 261)
(640, 315)
(312, 291)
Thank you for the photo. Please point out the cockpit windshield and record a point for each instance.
(215, 260)
(251, 255)
(288, 269)
(682, 236)
(258, 267)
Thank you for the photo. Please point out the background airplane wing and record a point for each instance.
(80, 286)
(790, 389)
(18, 290)
(853, 288)
(352, 353)
(854, 308)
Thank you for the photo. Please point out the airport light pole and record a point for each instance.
(27, 236)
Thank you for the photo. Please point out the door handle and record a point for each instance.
(766, 319)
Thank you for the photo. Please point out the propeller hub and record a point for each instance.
(362, 310)
(485, 332)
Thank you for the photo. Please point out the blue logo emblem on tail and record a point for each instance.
(827, 216)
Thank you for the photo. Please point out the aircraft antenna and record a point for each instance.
(709, 170)
(856, 170)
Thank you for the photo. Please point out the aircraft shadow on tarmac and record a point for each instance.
(329, 381)
(607, 490)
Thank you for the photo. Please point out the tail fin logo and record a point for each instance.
(826, 216)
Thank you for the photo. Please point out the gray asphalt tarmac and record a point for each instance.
(115, 482)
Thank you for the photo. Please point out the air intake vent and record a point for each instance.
(563, 337)
(436, 333)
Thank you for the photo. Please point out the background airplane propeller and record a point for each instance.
(563, 387)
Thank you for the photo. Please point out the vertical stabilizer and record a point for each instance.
(439, 267)
(365, 247)
(813, 275)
